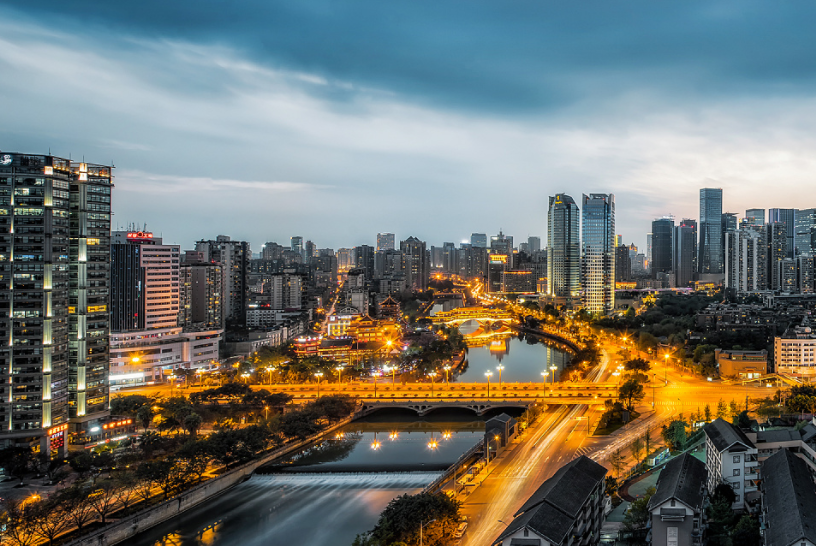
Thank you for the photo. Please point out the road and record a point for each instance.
(561, 435)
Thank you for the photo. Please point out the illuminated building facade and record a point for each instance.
(711, 258)
(54, 247)
(598, 251)
(563, 250)
(385, 241)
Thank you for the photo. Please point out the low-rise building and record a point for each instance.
(731, 458)
(742, 364)
(795, 351)
(788, 501)
(566, 510)
(676, 508)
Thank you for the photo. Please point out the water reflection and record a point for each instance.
(524, 360)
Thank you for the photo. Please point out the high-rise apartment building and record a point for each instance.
(805, 232)
(787, 217)
(685, 253)
(345, 259)
(364, 259)
(285, 292)
(563, 250)
(201, 291)
(710, 248)
(662, 246)
(746, 260)
(450, 259)
(54, 251)
(234, 257)
(385, 241)
(478, 240)
(755, 217)
(501, 244)
(777, 238)
(623, 264)
(598, 251)
(415, 263)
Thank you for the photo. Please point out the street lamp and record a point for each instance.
(318, 375)
(421, 525)
(552, 370)
(339, 373)
(488, 374)
(447, 369)
(666, 369)
(375, 373)
(500, 367)
(432, 374)
(266, 410)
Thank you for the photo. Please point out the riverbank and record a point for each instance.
(143, 520)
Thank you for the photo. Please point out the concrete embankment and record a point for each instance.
(132, 525)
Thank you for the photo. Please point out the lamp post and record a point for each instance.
(552, 371)
(375, 373)
(500, 367)
(488, 374)
(266, 410)
(421, 525)
(318, 375)
(666, 369)
(432, 374)
(447, 369)
(339, 373)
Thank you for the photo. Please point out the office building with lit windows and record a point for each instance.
(598, 252)
(711, 256)
(563, 251)
(54, 247)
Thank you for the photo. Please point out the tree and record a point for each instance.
(81, 463)
(77, 506)
(50, 520)
(722, 410)
(161, 472)
(196, 457)
(637, 365)
(400, 520)
(145, 416)
(300, 424)
(130, 404)
(630, 392)
(17, 461)
(768, 407)
(746, 532)
(638, 514)
(610, 486)
(742, 420)
(17, 523)
(675, 435)
(104, 499)
(707, 413)
(636, 448)
(616, 462)
(720, 516)
(335, 407)
(52, 468)
(192, 423)
(647, 442)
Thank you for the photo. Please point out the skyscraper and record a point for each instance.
(385, 241)
(805, 232)
(623, 264)
(710, 261)
(662, 246)
(55, 244)
(296, 244)
(415, 263)
(777, 238)
(533, 244)
(478, 240)
(755, 217)
(563, 250)
(685, 252)
(598, 251)
(364, 259)
(787, 217)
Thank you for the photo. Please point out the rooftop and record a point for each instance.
(789, 500)
(723, 435)
(682, 479)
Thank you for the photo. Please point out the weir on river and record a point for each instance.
(327, 494)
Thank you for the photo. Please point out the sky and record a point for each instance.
(335, 120)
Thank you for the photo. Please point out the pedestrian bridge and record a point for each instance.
(482, 315)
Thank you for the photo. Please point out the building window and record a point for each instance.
(736, 459)
(735, 485)
(736, 472)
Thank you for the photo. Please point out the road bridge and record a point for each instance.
(482, 315)
(481, 405)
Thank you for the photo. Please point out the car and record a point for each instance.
(460, 531)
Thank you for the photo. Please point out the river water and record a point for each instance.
(326, 495)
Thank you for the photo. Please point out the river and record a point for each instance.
(326, 495)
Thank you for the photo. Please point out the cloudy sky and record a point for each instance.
(437, 118)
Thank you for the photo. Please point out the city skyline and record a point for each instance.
(229, 122)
